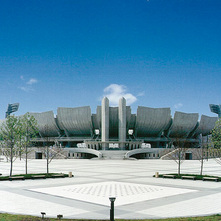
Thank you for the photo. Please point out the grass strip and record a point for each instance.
(10, 217)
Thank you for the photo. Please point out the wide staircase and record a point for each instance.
(167, 154)
(113, 154)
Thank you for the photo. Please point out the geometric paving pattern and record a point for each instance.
(125, 193)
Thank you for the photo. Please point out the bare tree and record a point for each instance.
(178, 151)
(51, 150)
(215, 154)
(202, 152)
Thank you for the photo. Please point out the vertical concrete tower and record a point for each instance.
(122, 122)
(105, 122)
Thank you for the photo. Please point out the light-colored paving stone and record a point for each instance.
(34, 206)
(199, 206)
(138, 193)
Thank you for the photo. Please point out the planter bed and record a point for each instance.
(190, 177)
(33, 176)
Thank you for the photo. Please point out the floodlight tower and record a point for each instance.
(215, 109)
(11, 108)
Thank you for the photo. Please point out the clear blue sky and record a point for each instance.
(70, 53)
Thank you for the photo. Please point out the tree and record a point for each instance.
(216, 135)
(16, 134)
(178, 151)
(29, 130)
(50, 152)
(215, 153)
(10, 133)
(202, 152)
(215, 150)
(181, 147)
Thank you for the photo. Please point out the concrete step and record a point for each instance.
(112, 154)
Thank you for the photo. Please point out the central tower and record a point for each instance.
(105, 122)
(122, 122)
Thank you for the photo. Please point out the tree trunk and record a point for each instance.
(179, 162)
(20, 153)
(202, 158)
(26, 160)
(47, 160)
(201, 170)
(202, 154)
(11, 160)
(179, 168)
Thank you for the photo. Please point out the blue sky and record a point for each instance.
(71, 53)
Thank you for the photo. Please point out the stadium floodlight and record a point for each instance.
(11, 108)
(215, 109)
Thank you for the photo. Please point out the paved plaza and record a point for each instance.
(86, 195)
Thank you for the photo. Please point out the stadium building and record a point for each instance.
(114, 132)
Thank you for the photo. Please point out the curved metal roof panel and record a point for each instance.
(75, 121)
(152, 121)
(183, 124)
(206, 125)
(46, 124)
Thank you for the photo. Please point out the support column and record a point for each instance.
(122, 122)
(105, 122)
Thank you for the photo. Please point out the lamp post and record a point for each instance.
(59, 216)
(43, 215)
(112, 199)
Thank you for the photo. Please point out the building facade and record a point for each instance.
(116, 131)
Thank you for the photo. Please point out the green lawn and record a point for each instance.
(9, 217)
